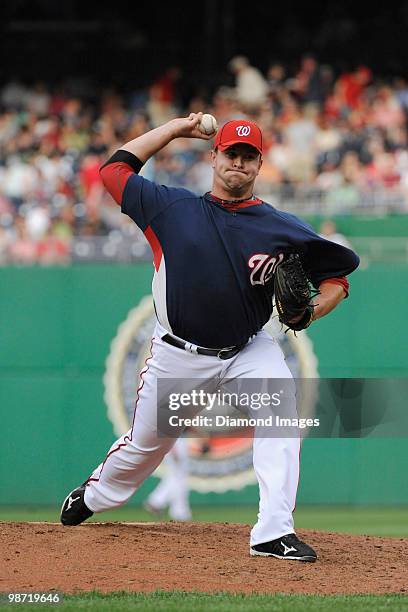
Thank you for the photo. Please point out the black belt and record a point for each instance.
(224, 353)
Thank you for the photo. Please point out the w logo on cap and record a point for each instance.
(239, 131)
(243, 130)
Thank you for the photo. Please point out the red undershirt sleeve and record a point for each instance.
(114, 177)
(116, 172)
(341, 280)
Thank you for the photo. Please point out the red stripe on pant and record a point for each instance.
(127, 438)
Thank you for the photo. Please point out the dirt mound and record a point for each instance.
(190, 556)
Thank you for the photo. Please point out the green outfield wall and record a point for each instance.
(56, 325)
(370, 225)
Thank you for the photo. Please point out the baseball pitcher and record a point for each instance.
(222, 261)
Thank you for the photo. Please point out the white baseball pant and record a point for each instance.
(172, 491)
(136, 454)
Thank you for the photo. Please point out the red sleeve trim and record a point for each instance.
(155, 246)
(341, 280)
(114, 177)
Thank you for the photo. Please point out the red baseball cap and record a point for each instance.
(239, 130)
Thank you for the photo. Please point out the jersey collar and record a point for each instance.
(232, 206)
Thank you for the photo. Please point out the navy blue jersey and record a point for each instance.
(211, 262)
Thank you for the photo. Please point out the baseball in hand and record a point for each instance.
(208, 125)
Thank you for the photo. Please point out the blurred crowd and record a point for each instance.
(336, 140)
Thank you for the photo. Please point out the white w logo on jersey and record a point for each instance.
(263, 266)
(243, 130)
